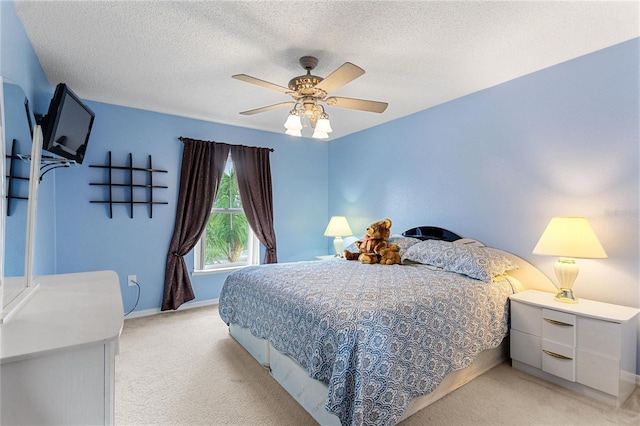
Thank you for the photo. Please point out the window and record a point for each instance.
(228, 241)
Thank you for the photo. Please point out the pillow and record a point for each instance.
(349, 243)
(481, 263)
(403, 242)
(352, 247)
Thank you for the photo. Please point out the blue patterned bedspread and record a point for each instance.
(378, 336)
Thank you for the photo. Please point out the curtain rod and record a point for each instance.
(182, 139)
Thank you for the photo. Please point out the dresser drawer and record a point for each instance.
(526, 348)
(559, 327)
(600, 337)
(559, 360)
(526, 318)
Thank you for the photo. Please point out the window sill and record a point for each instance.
(225, 270)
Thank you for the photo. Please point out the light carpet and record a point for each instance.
(182, 368)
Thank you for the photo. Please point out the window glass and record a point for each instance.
(228, 241)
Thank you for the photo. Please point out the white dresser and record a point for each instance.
(58, 352)
(589, 347)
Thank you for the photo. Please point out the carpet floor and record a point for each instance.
(182, 368)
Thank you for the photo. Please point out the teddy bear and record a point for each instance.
(374, 243)
(390, 255)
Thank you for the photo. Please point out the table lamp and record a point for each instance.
(338, 227)
(569, 238)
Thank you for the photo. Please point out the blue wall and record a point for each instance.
(498, 164)
(18, 60)
(87, 239)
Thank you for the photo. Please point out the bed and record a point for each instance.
(372, 344)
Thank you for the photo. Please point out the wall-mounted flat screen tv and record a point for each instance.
(67, 125)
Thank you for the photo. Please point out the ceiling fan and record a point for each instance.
(308, 91)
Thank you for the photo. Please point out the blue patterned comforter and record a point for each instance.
(378, 336)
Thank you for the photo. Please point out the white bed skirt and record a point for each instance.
(312, 394)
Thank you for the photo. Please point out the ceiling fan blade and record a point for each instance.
(268, 108)
(257, 81)
(360, 104)
(346, 73)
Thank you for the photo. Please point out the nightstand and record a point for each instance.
(588, 347)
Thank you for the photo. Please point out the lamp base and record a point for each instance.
(565, 295)
(337, 245)
(566, 271)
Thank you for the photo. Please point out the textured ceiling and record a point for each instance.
(178, 57)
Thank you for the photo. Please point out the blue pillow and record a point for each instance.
(481, 263)
(403, 242)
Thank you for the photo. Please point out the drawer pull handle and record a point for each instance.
(558, 322)
(555, 355)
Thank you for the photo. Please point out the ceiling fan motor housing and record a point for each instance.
(305, 84)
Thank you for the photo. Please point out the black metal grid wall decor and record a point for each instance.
(129, 178)
(12, 177)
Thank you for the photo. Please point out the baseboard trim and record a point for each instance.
(156, 311)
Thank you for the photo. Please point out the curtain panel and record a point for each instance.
(253, 172)
(203, 164)
(202, 167)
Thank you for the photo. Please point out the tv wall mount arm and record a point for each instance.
(48, 163)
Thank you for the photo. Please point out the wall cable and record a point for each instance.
(137, 298)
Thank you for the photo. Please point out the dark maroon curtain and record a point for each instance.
(253, 171)
(202, 166)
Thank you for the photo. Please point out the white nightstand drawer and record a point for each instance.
(559, 360)
(526, 318)
(526, 348)
(601, 337)
(598, 372)
(559, 327)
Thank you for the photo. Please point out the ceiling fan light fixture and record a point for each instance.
(323, 125)
(308, 91)
(293, 121)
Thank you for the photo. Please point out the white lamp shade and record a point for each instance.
(338, 227)
(570, 237)
(323, 125)
(293, 122)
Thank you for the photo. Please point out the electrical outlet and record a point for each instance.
(132, 280)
